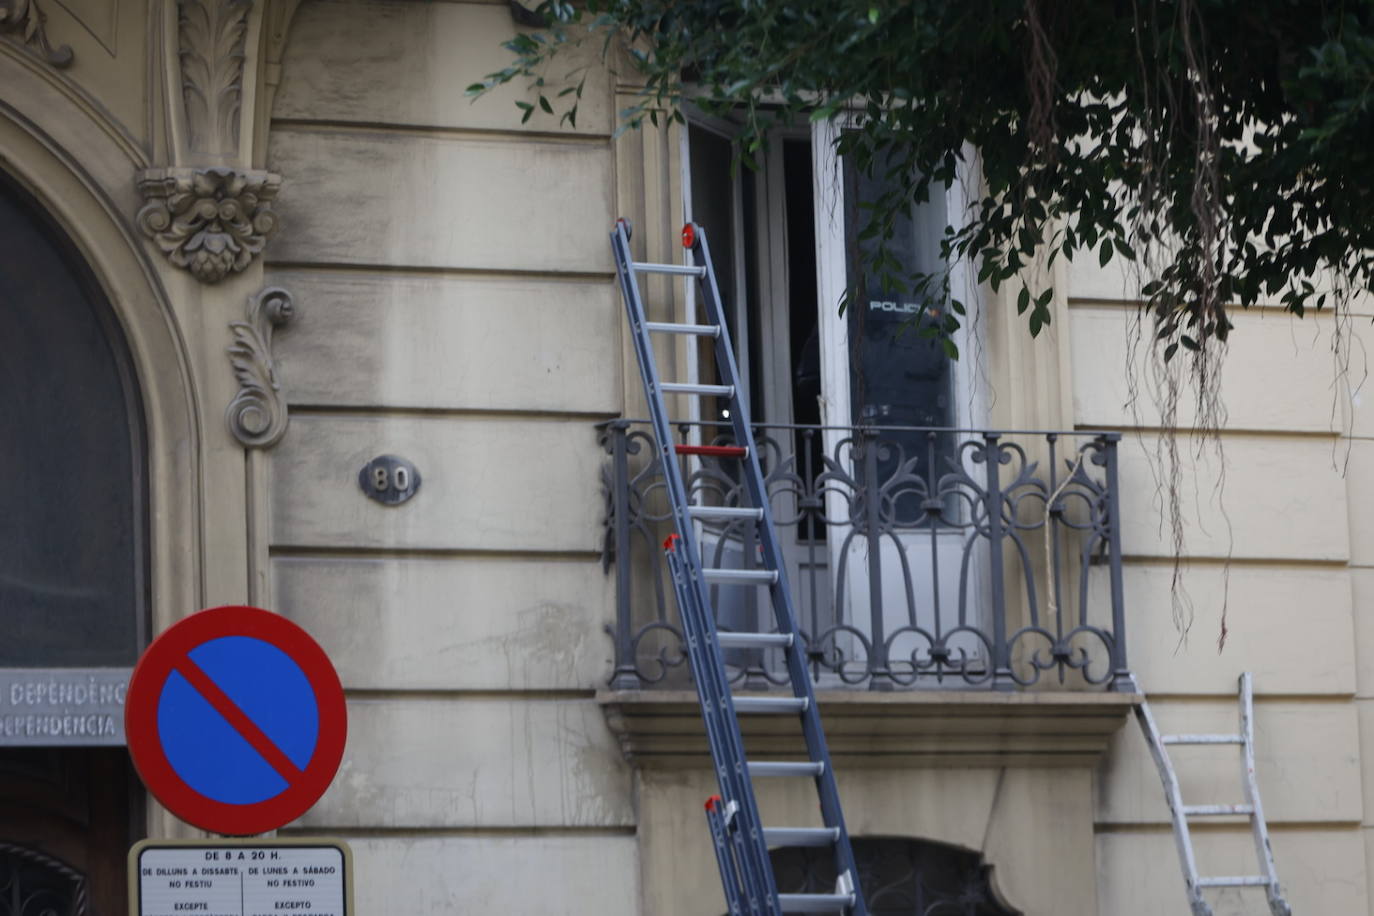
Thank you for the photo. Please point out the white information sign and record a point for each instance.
(239, 878)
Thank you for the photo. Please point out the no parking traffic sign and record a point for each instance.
(236, 720)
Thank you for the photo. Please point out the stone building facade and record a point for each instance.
(292, 244)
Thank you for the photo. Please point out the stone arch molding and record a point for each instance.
(207, 205)
(66, 153)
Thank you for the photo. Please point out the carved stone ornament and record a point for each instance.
(26, 22)
(212, 36)
(211, 221)
(257, 414)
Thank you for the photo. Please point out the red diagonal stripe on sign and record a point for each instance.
(239, 720)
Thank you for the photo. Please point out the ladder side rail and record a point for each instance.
(712, 696)
(663, 433)
(648, 371)
(1258, 826)
(812, 730)
(658, 413)
(756, 853)
(747, 825)
(729, 873)
(707, 700)
(1182, 835)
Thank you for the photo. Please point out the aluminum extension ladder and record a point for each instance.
(1181, 813)
(741, 841)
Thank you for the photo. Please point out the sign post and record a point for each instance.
(236, 720)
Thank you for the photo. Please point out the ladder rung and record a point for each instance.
(645, 267)
(754, 640)
(800, 836)
(741, 576)
(668, 327)
(1202, 739)
(781, 768)
(723, 391)
(815, 903)
(771, 704)
(1217, 810)
(725, 512)
(1241, 881)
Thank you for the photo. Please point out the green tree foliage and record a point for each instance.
(1223, 146)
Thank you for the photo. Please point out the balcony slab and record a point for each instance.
(662, 729)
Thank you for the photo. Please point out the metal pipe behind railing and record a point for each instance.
(878, 667)
(1121, 679)
(1001, 652)
(624, 676)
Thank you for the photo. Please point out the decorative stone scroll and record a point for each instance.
(211, 221)
(25, 22)
(257, 414)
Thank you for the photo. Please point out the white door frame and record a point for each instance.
(968, 398)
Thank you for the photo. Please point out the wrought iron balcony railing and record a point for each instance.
(917, 557)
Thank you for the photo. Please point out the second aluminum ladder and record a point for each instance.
(741, 841)
(1181, 814)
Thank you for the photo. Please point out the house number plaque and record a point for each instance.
(389, 480)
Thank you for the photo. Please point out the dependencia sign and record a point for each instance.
(241, 878)
(62, 707)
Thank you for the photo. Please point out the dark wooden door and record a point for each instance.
(67, 819)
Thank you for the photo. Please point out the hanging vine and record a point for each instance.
(1219, 148)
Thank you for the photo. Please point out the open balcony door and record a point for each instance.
(877, 371)
(782, 237)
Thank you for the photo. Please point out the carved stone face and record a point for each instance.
(212, 221)
(212, 253)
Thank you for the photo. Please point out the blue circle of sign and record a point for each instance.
(207, 750)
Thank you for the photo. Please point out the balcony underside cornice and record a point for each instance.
(662, 729)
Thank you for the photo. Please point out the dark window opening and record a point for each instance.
(803, 318)
(72, 530)
(713, 201)
(900, 375)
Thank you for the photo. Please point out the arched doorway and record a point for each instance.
(73, 564)
(900, 877)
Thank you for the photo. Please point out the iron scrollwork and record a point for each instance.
(647, 652)
(34, 884)
(915, 557)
